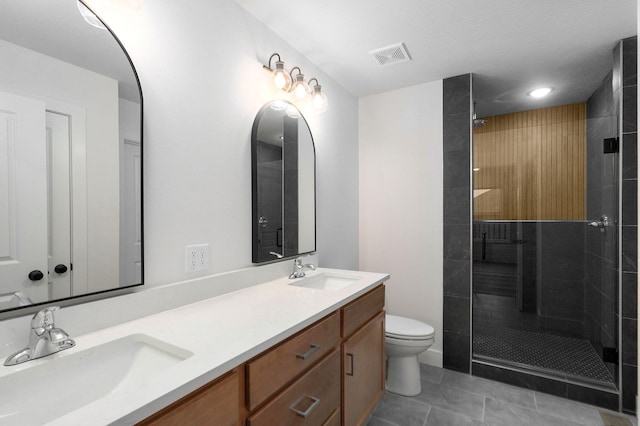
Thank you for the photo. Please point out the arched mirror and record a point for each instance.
(284, 183)
(70, 155)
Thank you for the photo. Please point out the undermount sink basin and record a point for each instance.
(62, 383)
(326, 281)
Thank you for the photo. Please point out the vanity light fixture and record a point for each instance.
(540, 92)
(89, 16)
(281, 77)
(300, 87)
(318, 99)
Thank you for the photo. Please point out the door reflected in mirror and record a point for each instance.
(70, 157)
(283, 188)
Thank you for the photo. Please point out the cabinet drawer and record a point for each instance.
(277, 367)
(311, 400)
(361, 310)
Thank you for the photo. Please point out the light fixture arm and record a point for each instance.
(295, 68)
(317, 82)
(268, 67)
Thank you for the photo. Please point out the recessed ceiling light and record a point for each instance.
(540, 92)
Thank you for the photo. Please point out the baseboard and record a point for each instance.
(431, 357)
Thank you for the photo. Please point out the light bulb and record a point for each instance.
(281, 78)
(319, 99)
(301, 91)
(541, 92)
(300, 87)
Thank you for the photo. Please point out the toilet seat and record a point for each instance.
(407, 329)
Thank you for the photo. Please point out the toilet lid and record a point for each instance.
(406, 327)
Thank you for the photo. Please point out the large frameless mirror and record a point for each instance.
(70, 155)
(283, 187)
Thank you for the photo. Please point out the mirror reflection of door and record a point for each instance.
(59, 233)
(23, 209)
(42, 158)
(130, 213)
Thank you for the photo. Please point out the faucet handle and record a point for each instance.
(43, 320)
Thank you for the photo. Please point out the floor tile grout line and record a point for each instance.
(426, 418)
(484, 409)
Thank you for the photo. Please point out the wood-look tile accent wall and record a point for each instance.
(533, 164)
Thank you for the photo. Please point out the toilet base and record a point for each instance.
(403, 375)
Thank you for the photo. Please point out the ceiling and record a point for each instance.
(511, 46)
(56, 29)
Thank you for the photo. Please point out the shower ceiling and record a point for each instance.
(511, 46)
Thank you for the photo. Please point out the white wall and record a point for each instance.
(200, 64)
(401, 200)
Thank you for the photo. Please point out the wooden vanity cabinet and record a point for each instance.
(363, 356)
(330, 374)
(219, 402)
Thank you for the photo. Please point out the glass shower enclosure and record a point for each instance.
(546, 209)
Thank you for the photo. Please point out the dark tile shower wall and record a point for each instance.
(457, 222)
(290, 159)
(560, 301)
(628, 96)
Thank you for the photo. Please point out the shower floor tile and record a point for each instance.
(572, 358)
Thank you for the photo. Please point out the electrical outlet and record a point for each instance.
(197, 257)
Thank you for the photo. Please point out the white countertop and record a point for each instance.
(222, 333)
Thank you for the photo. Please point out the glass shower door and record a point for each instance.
(545, 273)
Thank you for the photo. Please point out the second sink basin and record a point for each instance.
(58, 385)
(326, 281)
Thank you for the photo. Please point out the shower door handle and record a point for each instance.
(601, 224)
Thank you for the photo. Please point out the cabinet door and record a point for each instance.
(216, 403)
(363, 371)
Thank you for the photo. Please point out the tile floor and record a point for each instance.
(449, 398)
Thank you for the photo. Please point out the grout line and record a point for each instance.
(484, 409)
(426, 418)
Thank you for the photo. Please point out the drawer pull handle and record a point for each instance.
(308, 353)
(350, 373)
(309, 410)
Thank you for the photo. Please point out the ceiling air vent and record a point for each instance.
(393, 54)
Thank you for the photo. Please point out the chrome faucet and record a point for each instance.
(44, 339)
(299, 268)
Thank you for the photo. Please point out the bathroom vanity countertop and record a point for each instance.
(222, 333)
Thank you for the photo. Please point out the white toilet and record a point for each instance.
(405, 338)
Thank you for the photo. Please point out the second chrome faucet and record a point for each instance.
(299, 268)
